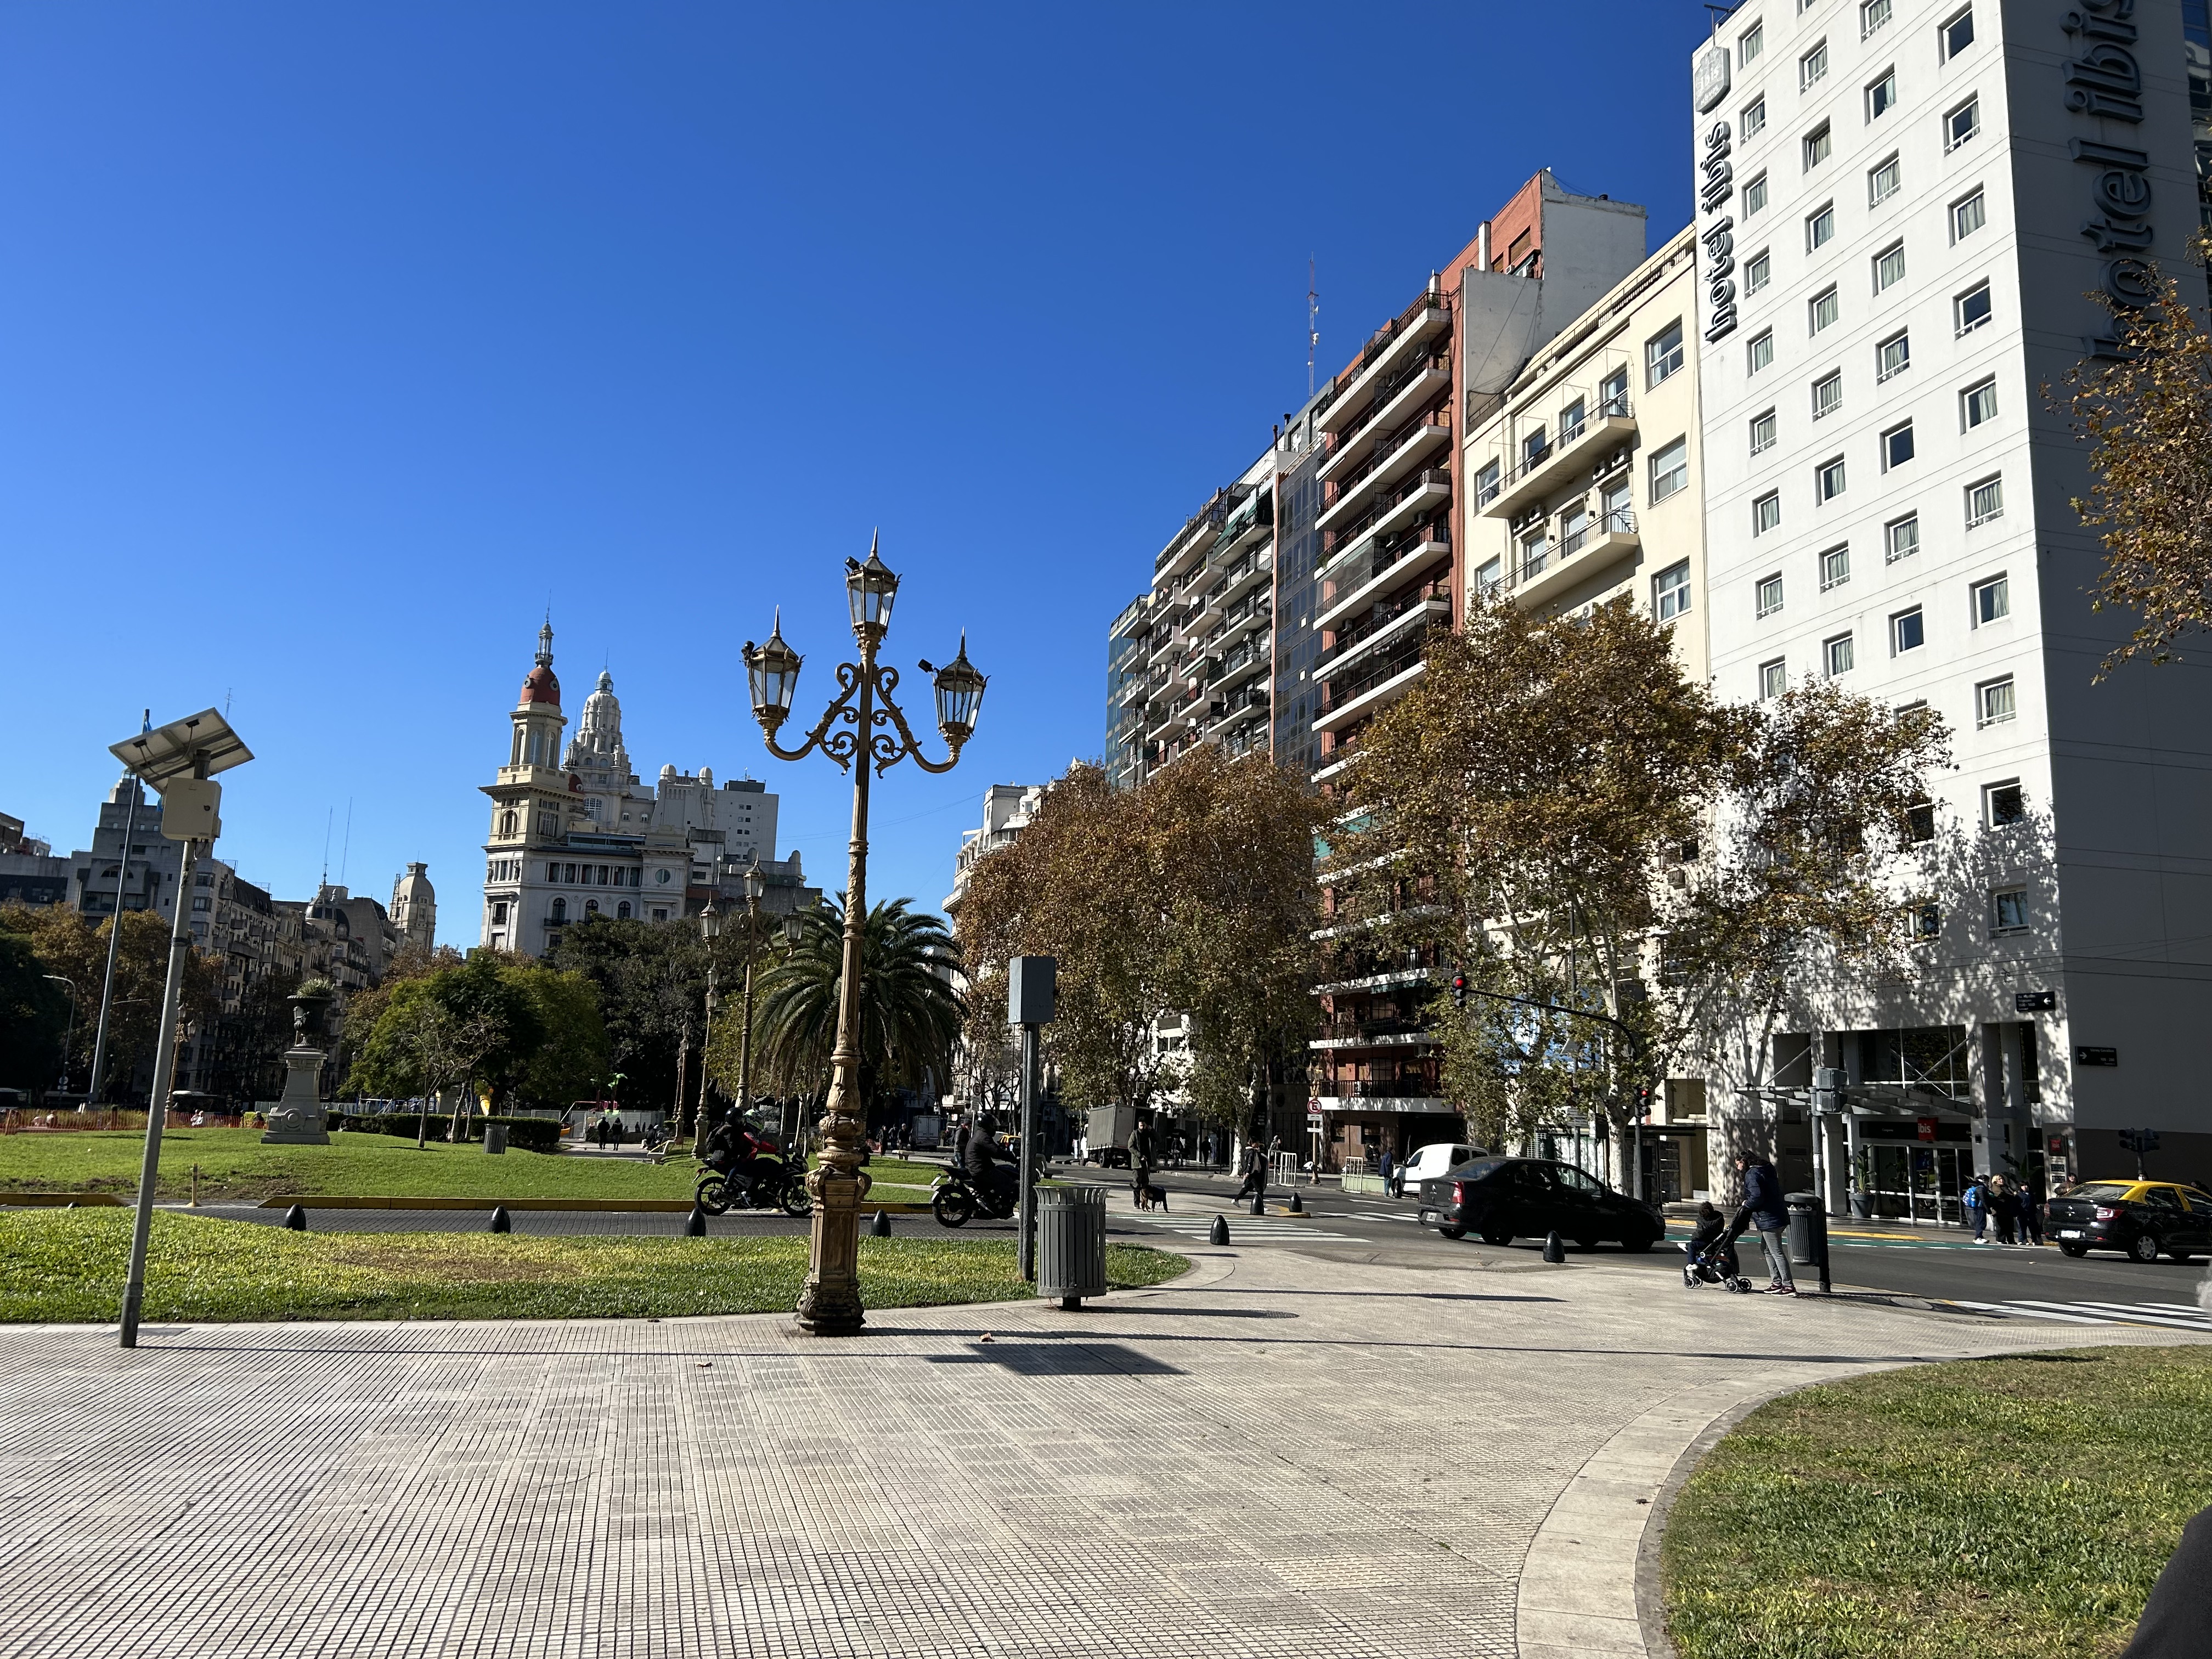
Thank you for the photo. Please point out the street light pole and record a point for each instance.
(710, 929)
(755, 884)
(829, 1305)
(69, 1042)
(114, 937)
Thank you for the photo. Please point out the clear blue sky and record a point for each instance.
(338, 340)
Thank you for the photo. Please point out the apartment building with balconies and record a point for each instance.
(1584, 483)
(1913, 216)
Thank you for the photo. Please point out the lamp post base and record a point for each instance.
(830, 1303)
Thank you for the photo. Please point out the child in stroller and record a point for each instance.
(1710, 1255)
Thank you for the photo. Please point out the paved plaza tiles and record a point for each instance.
(1280, 1454)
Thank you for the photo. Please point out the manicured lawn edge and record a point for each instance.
(2020, 1505)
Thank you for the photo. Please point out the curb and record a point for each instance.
(56, 1200)
(579, 1205)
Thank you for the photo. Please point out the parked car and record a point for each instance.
(1435, 1159)
(2144, 1218)
(1499, 1200)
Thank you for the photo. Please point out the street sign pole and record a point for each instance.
(1031, 998)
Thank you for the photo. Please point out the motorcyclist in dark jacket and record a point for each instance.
(990, 1168)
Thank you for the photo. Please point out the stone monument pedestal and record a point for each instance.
(297, 1119)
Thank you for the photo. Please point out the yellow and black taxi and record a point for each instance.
(2144, 1219)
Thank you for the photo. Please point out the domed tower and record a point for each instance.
(537, 717)
(415, 907)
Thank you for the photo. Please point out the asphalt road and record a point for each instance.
(1995, 1280)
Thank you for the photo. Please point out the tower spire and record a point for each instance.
(545, 641)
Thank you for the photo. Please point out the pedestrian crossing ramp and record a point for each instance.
(1243, 1229)
(2173, 1315)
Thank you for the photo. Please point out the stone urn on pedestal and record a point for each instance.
(297, 1119)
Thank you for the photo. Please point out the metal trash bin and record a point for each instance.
(1804, 1209)
(1071, 1241)
(495, 1138)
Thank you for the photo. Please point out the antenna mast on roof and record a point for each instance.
(1313, 324)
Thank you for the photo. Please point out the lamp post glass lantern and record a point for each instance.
(863, 724)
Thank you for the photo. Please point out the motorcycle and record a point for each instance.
(954, 1201)
(771, 1184)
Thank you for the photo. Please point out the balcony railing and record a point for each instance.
(1389, 666)
(1621, 520)
(1381, 507)
(1438, 362)
(1435, 422)
(1385, 612)
(1415, 1087)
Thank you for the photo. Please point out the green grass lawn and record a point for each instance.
(234, 1165)
(2004, 1509)
(66, 1267)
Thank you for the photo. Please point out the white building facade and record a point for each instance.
(575, 835)
(1904, 206)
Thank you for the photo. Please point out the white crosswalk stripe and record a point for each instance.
(2173, 1315)
(1243, 1229)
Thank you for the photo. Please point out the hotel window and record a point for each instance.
(1821, 227)
(1971, 309)
(1900, 539)
(1766, 596)
(1882, 180)
(2003, 804)
(1773, 678)
(1881, 96)
(1754, 117)
(1835, 567)
(2008, 911)
(1920, 822)
(1813, 67)
(1670, 469)
(1487, 577)
(1836, 655)
(1968, 215)
(1896, 447)
(1663, 355)
(1827, 395)
(1758, 351)
(1536, 554)
(1765, 513)
(1873, 15)
(1993, 702)
(1755, 197)
(1758, 272)
(1893, 356)
(1977, 404)
(1961, 124)
(622, 911)
(1762, 433)
(1889, 267)
(1923, 922)
(1486, 484)
(1534, 445)
(1908, 631)
(1984, 501)
(1822, 310)
(1613, 394)
(1752, 43)
(1820, 144)
(1828, 479)
(1992, 600)
(1571, 419)
(1670, 592)
(1957, 34)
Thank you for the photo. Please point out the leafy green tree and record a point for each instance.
(651, 982)
(65, 943)
(34, 1017)
(909, 1015)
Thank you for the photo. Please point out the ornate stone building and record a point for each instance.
(574, 835)
(414, 907)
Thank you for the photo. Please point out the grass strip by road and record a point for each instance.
(2018, 1508)
(66, 1267)
(235, 1166)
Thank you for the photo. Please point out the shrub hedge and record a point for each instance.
(528, 1134)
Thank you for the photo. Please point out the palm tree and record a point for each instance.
(909, 1013)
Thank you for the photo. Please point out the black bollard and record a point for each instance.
(1260, 1202)
(694, 1224)
(881, 1226)
(1294, 1206)
(1554, 1250)
(500, 1224)
(1218, 1233)
(296, 1219)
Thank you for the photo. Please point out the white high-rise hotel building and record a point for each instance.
(1904, 208)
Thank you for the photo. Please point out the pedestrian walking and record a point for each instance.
(2031, 1209)
(2004, 1208)
(1141, 1154)
(1976, 1201)
(1255, 1173)
(1764, 1211)
(1390, 1168)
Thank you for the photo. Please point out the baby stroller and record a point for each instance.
(1710, 1255)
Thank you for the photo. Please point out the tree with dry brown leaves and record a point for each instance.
(2148, 417)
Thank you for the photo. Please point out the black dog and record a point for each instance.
(1150, 1197)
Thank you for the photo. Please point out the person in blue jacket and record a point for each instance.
(1764, 1211)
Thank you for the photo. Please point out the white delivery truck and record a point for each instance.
(1106, 1136)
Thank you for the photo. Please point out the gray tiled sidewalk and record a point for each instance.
(1282, 1456)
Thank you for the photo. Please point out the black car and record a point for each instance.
(2145, 1218)
(1499, 1200)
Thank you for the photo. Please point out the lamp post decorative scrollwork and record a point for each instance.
(863, 724)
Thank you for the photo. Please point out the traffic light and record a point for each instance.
(1459, 990)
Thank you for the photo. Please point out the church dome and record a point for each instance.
(540, 686)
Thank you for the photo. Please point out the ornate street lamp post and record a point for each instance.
(755, 883)
(710, 929)
(830, 1303)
